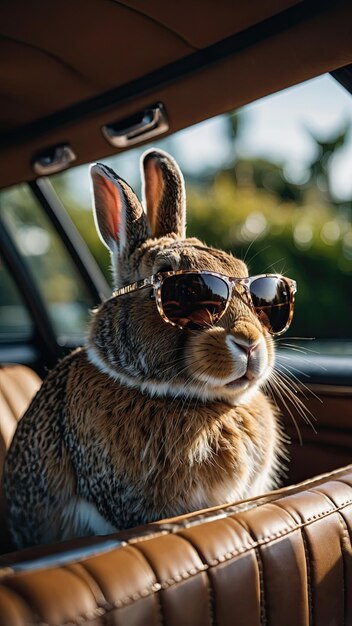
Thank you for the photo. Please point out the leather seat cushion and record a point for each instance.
(18, 385)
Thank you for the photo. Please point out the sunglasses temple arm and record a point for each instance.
(139, 284)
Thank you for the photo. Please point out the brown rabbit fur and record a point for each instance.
(147, 420)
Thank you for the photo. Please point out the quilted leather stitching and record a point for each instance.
(309, 575)
(263, 608)
(108, 607)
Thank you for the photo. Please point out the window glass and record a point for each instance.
(15, 320)
(52, 268)
(272, 183)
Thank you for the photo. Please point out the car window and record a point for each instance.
(271, 183)
(52, 269)
(15, 320)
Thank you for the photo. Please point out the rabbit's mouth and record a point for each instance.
(234, 391)
(240, 383)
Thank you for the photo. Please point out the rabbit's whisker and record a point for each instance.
(300, 386)
(275, 390)
(291, 368)
(290, 389)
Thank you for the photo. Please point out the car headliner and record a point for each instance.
(70, 67)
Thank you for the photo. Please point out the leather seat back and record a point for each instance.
(18, 384)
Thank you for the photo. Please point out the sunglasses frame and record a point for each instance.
(156, 281)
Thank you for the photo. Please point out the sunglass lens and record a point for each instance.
(194, 300)
(271, 300)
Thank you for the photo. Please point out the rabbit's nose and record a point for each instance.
(248, 345)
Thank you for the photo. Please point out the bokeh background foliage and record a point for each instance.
(252, 209)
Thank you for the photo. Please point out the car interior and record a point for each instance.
(83, 82)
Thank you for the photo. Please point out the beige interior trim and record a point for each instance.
(317, 45)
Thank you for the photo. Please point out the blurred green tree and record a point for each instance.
(320, 167)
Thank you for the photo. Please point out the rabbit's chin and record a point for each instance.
(233, 392)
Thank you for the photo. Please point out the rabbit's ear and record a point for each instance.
(164, 193)
(119, 216)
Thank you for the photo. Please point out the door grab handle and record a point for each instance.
(53, 160)
(146, 124)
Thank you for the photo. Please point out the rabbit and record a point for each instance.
(147, 420)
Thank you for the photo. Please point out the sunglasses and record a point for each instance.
(199, 299)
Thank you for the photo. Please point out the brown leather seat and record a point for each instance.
(18, 384)
(283, 559)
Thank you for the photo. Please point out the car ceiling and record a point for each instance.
(68, 68)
